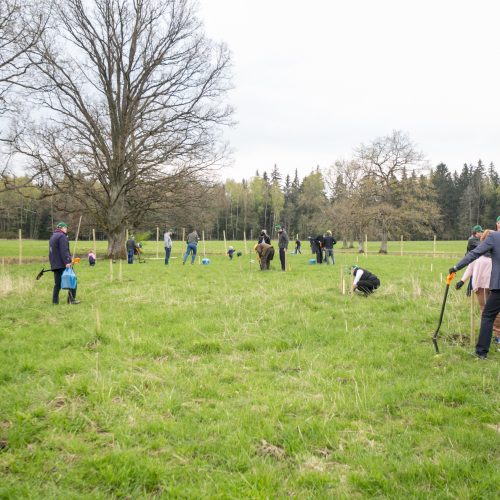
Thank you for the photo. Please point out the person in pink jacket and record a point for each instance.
(480, 273)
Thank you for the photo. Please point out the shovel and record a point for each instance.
(449, 279)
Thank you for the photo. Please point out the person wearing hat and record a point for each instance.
(364, 281)
(230, 252)
(475, 237)
(265, 254)
(492, 306)
(60, 259)
(329, 241)
(282, 245)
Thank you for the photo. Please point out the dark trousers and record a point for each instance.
(130, 255)
(491, 309)
(367, 286)
(282, 258)
(297, 249)
(167, 254)
(319, 256)
(265, 260)
(57, 288)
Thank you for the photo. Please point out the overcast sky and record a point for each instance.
(313, 79)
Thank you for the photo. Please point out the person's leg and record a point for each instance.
(166, 255)
(72, 296)
(282, 259)
(57, 285)
(491, 309)
(333, 258)
(263, 263)
(130, 255)
(365, 286)
(186, 255)
(193, 255)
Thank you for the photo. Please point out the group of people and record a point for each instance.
(483, 270)
(322, 247)
(265, 251)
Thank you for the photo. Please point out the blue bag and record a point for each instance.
(68, 279)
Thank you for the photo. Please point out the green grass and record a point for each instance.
(222, 381)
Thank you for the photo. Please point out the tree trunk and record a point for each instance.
(383, 244)
(116, 245)
(361, 246)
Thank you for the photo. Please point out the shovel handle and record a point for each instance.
(449, 279)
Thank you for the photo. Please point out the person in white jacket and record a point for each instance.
(167, 243)
(479, 271)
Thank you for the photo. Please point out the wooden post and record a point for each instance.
(93, 238)
(157, 239)
(203, 239)
(183, 240)
(472, 326)
(366, 245)
(20, 246)
(225, 243)
(245, 241)
(434, 248)
(110, 269)
(401, 245)
(120, 271)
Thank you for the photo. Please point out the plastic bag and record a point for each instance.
(68, 279)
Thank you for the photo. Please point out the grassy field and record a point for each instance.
(221, 381)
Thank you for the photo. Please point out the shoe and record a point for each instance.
(74, 302)
(480, 356)
(497, 340)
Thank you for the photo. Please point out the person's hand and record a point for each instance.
(452, 270)
(459, 285)
(69, 265)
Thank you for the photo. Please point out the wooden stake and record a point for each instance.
(110, 269)
(431, 267)
(120, 271)
(441, 277)
(183, 239)
(343, 286)
(401, 245)
(157, 240)
(472, 326)
(225, 243)
(20, 246)
(434, 248)
(245, 241)
(366, 245)
(93, 238)
(203, 239)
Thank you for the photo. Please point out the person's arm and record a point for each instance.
(357, 277)
(64, 250)
(474, 254)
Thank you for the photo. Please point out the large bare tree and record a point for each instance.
(21, 27)
(134, 98)
(385, 160)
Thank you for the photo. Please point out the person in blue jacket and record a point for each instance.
(60, 259)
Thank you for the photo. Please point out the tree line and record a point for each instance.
(115, 109)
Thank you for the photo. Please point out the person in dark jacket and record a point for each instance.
(283, 246)
(297, 246)
(329, 241)
(320, 244)
(264, 237)
(475, 238)
(492, 306)
(364, 281)
(265, 254)
(60, 259)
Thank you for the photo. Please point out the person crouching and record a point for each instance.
(364, 281)
(265, 254)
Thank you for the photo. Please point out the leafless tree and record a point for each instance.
(21, 27)
(384, 160)
(134, 98)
